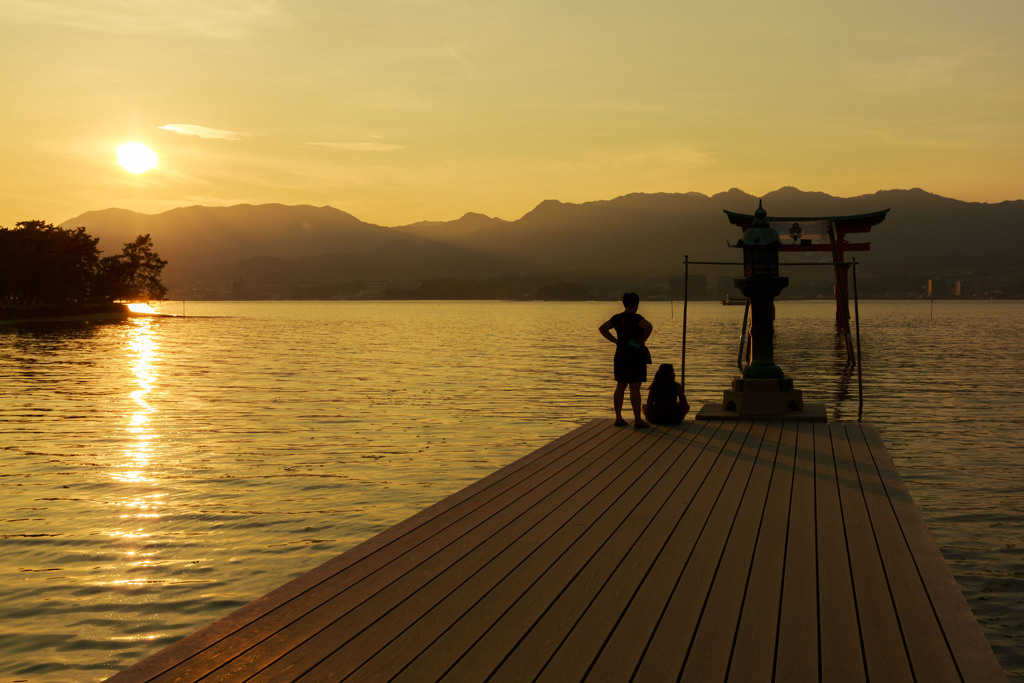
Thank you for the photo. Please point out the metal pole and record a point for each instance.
(686, 300)
(860, 373)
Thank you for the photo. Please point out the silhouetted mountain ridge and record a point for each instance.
(634, 234)
(200, 235)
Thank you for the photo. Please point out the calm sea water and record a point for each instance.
(157, 474)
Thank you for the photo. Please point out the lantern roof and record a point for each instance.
(760, 233)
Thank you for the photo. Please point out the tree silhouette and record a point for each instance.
(42, 265)
(134, 274)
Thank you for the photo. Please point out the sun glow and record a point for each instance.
(140, 307)
(136, 157)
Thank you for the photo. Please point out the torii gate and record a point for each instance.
(823, 233)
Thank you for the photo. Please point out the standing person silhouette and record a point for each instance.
(631, 356)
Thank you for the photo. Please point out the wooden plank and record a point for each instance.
(711, 650)
(747, 551)
(205, 649)
(797, 640)
(550, 568)
(972, 653)
(885, 655)
(754, 644)
(585, 642)
(840, 646)
(926, 646)
(457, 550)
(396, 641)
(668, 649)
(667, 652)
(633, 545)
(490, 628)
(680, 574)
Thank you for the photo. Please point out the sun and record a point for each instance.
(136, 157)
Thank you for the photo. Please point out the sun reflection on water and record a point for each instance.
(141, 308)
(138, 509)
(143, 351)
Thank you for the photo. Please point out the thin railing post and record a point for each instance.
(686, 301)
(860, 373)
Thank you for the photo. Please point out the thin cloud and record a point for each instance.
(213, 18)
(460, 59)
(358, 146)
(203, 131)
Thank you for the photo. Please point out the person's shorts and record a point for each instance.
(630, 368)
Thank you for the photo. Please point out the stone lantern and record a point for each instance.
(763, 390)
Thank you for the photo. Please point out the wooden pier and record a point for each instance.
(711, 551)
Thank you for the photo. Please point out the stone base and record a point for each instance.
(763, 397)
(811, 412)
(759, 398)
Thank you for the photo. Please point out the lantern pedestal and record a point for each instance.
(763, 399)
(811, 412)
(775, 397)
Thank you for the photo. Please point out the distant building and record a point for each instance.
(939, 288)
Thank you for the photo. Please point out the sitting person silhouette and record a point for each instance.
(666, 404)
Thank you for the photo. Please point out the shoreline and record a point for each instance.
(91, 313)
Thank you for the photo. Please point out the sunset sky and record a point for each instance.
(406, 110)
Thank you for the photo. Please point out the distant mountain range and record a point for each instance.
(275, 248)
